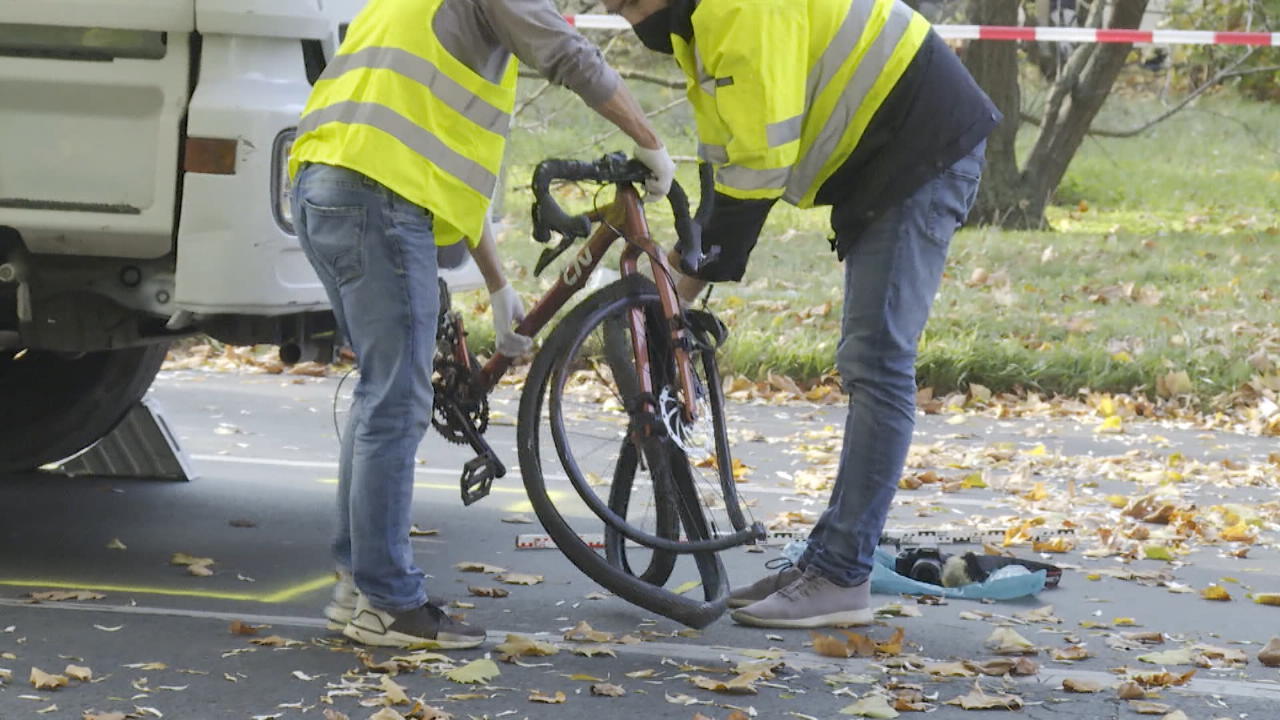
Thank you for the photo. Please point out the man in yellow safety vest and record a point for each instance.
(398, 151)
(859, 105)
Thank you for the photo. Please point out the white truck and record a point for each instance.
(144, 196)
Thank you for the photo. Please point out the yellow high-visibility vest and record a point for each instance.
(396, 106)
(783, 90)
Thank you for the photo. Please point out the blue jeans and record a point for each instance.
(891, 275)
(375, 253)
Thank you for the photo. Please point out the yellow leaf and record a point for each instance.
(78, 672)
(686, 587)
(1157, 552)
(1240, 532)
(830, 646)
(1107, 406)
(1181, 656)
(583, 632)
(1215, 592)
(538, 697)
(42, 680)
(519, 645)
(1143, 707)
(1111, 426)
(593, 650)
(872, 706)
(1124, 622)
(608, 690)
(1037, 450)
(1005, 641)
(394, 692)
(973, 480)
(979, 700)
(743, 684)
(1122, 357)
(1267, 599)
(476, 671)
(479, 567)
(1081, 686)
(1056, 545)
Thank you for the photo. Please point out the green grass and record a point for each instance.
(1165, 257)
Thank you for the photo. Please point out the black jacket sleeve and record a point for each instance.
(729, 235)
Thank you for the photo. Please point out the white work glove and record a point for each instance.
(663, 170)
(508, 311)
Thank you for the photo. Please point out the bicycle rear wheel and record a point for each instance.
(630, 467)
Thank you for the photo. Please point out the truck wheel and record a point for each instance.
(57, 404)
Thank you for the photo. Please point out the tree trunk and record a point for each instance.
(995, 66)
(1016, 198)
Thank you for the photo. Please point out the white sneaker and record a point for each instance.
(340, 609)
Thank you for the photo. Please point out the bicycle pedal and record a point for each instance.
(478, 476)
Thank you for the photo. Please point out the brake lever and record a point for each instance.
(550, 254)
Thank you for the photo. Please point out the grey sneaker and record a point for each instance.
(810, 601)
(339, 610)
(744, 595)
(426, 627)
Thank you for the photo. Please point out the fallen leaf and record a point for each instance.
(275, 641)
(239, 627)
(519, 645)
(1143, 707)
(393, 692)
(479, 567)
(95, 715)
(331, 714)
(1071, 653)
(386, 713)
(1267, 599)
(830, 646)
(1181, 656)
(1004, 666)
(538, 697)
(1078, 685)
(476, 671)
(60, 595)
(519, 579)
(1162, 679)
(1006, 641)
(1215, 592)
(181, 558)
(951, 669)
(583, 632)
(1175, 715)
(608, 690)
(1130, 691)
(682, 699)
(646, 673)
(416, 531)
(1270, 655)
(490, 592)
(976, 699)
(743, 684)
(593, 650)
(872, 706)
(42, 680)
(518, 519)
(78, 672)
(115, 544)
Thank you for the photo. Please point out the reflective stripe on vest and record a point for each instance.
(412, 135)
(422, 71)
(815, 165)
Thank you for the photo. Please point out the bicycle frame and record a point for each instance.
(622, 219)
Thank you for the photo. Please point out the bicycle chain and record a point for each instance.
(452, 386)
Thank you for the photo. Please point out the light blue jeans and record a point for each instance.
(891, 275)
(375, 253)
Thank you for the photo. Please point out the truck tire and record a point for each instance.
(57, 404)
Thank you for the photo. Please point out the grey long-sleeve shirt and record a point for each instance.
(481, 33)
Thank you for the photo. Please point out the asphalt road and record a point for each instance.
(264, 448)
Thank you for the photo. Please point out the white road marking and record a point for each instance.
(745, 489)
(1048, 677)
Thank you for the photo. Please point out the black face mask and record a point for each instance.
(655, 31)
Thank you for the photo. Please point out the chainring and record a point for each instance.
(452, 386)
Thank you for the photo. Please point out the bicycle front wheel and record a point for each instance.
(618, 439)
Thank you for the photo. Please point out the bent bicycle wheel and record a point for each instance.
(654, 486)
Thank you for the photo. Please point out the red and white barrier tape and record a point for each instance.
(1040, 34)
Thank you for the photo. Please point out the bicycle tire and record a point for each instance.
(658, 451)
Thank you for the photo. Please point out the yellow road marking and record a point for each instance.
(271, 597)
(522, 506)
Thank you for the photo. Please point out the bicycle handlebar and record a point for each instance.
(548, 216)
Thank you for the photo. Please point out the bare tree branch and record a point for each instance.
(1224, 74)
(601, 138)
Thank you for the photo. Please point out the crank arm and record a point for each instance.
(479, 472)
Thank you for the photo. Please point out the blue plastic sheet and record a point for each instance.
(885, 580)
